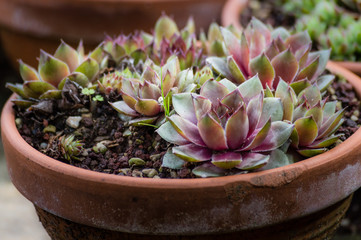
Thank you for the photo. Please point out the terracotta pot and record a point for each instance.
(28, 25)
(305, 200)
(352, 66)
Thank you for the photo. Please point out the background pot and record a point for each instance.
(307, 199)
(30, 25)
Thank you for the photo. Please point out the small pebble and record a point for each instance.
(150, 172)
(354, 118)
(137, 173)
(155, 157)
(136, 162)
(73, 121)
(49, 128)
(127, 133)
(356, 113)
(43, 145)
(124, 171)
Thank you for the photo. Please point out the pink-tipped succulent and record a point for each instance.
(146, 97)
(229, 126)
(273, 55)
(53, 71)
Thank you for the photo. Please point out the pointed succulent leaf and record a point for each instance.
(68, 55)
(277, 159)
(22, 103)
(328, 110)
(214, 32)
(309, 70)
(168, 82)
(254, 111)
(183, 105)
(300, 111)
(317, 114)
(34, 89)
(96, 54)
(52, 70)
(168, 133)
(16, 88)
(298, 40)
(324, 81)
(312, 95)
(51, 94)
(251, 88)
(307, 130)
(295, 139)
(192, 153)
(236, 128)
(226, 160)
(300, 85)
(331, 124)
(77, 77)
(322, 143)
(324, 56)
(258, 136)
(272, 108)
(280, 32)
(140, 121)
(123, 108)
(27, 73)
(263, 67)
(214, 91)
(286, 67)
(276, 137)
(201, 105)
(311, 152)
(272, 51)
(149, 91)
(138, 55)
(284, 92)
(172, 161)
(147, 107)
(252, 161)
(208, 170)
(233, 100)
(89, 68)
(236, 74)
(219, 66)
(212, 133)
(165, 27)
(186, 129)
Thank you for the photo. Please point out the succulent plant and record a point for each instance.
(273, 55)
(230, 126)
(70, 148)
(53, 71)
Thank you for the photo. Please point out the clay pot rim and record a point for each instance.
(9, 128)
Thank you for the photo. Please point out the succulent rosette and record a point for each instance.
(53, 71)
(273, 55)
(229, 126)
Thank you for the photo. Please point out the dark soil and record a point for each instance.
(268, 11)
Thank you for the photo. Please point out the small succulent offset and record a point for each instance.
(70, 148)
(273, 55)
(230, 126)
(53, 71)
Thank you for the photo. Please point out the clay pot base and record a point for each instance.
(320, 225)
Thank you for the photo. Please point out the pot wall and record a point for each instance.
(184, 206)
(28, 26)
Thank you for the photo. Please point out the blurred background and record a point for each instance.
(30, 25)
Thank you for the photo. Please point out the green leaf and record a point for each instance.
(53, 70)
(307, 130)
(89, 68)
(172, 161)
(263, 67)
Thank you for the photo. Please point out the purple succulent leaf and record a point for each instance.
(27, 72)
(307, 130)
(151, 76)
(272, 51)
(258, 36)
(263, 67)
(237, 75)
(300, 85)
(168, 82)
(169, 134)
(186, 129)
(149, 91)
(280, 32)
(276, 137)
(201, 106)
(322, 143)
(257, 137)
(254, 111)
(277, 159)
(331, 124)
(285, 65)
(214, 91)
(219, 66)
(272, 108)
(147, 107)
(226, 160)
(212, 133)
(208, 170)
(52, 70)
(192, 153)
(285, 93)
(280, 44)
(302, 55)
(142, 120)
(129, 100)
(324, 56)
(251, 88)
(317, 114)
(299, 111)
(172, 161)
(252, 161)
(324, 81)
(309, 70)
(130, 87)
(312, 95)
(34, 89)
(123, 108)
(298, 40)
(233, 99)
(311, 152)
(68, 55)
(237, 128)
(183, 105)
(89, 67)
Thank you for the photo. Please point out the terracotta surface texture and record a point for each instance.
(184, 206)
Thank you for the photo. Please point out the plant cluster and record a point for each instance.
(229, 102)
